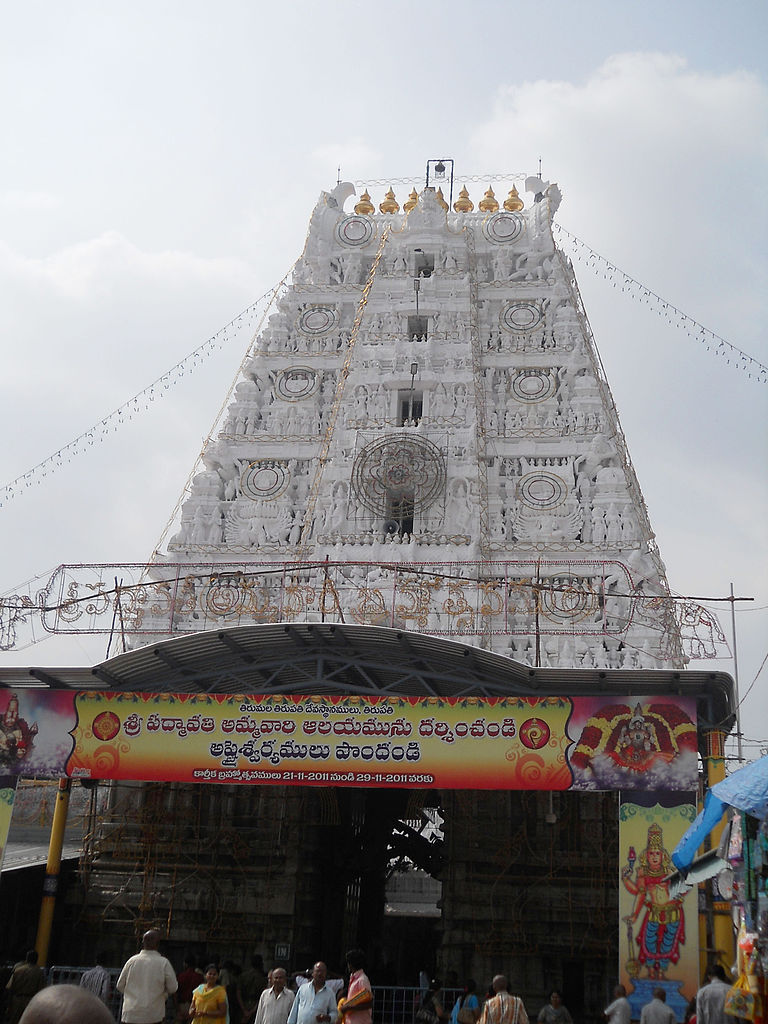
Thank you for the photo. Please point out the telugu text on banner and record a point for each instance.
(580, 743)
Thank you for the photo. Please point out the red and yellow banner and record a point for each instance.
(462, 743)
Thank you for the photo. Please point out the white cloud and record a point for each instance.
(22, 201)
(350, 155)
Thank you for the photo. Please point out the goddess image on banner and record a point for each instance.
(659, 945)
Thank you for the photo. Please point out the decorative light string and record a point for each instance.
(711, 341)
(419, 179)
(141, 401)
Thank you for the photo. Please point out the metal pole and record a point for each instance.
(736, 676)
(52, 869)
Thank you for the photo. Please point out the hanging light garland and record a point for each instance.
(711, 341)
(419, 178)
(140, 402)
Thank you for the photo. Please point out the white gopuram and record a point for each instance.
(422, 437)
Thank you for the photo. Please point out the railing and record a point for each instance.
(59, 975)
(392, 1004)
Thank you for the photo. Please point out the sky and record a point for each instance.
(159, 166)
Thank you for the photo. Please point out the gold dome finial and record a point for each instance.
(441, 199)
(513, 202)
(411, 201)
(489, 202)
(390, 204)
(463, 204)
(365, 206)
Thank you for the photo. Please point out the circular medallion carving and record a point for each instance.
(522, 316)
(317, 320)
(542, 491)
(296, 382)
(354, 231)
(393, 468)
(504, 227)
(263, 481)
(569, 600)
(533, 385)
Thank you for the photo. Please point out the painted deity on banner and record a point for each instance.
(648, 745)
(16, 734)
(663, 925)
(657, 953)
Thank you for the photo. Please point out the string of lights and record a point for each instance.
(419, 179)
(139, 402)
(629, 285)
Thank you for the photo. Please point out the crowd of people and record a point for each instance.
(229, 995)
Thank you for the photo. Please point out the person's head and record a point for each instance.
(31, 956)
(151, 939)
(619, 992)
(660, 993)
(435, 984)
(356, 960)
(554, 998)
(471, 986)
(101, 958)
(319, 974)
(717, 971)
(211, 975)
(66, 1004)
(500, 983)
(279, 978)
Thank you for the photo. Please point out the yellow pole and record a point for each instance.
(52, 868)
(722, 937)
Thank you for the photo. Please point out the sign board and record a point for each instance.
(541, 743)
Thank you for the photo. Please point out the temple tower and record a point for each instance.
(423, 437)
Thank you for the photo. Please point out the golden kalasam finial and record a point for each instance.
(390, 204)
(489, 202)
(513, 202)
(365, 206)
(463, 204)
(411, 201)
(441, 199)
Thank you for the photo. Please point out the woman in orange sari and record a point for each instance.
(209, 1001)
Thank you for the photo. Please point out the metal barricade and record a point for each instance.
(64, 975)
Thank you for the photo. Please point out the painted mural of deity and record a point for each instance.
(662, 930)
(648, 746)
(16, 735)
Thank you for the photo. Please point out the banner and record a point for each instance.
(7, 794)
(658, 935)
(593, 743)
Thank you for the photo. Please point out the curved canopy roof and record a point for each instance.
(333, 658)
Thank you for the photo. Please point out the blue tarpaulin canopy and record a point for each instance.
(746, 789)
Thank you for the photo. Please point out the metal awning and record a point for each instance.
(334, 658)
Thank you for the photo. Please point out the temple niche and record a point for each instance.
(425, 398)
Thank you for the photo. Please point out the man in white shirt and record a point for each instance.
(619, 1011)
(710, 999)
(315, 1003)
(146, 981)
(657, 1011)
(276, 1001)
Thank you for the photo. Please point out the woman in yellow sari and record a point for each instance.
(209, 1001)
